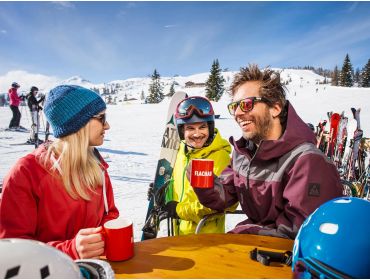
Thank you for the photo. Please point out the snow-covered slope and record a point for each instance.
(132, 144)
(134, 86)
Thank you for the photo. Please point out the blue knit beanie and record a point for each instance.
(68, 108)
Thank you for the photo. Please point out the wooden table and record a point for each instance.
(203, 256)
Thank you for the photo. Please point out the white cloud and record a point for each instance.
(352, 7)
(3, 31)
(27, 80)
(64, 4)
(170, 26)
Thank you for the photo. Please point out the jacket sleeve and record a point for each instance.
(192, 209)
(222, 195)
(66, 246)
(311, 181)
(18, 208)
(113, 212)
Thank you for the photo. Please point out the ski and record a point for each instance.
(334, 122)
(21, 144)
(320, 134)
(165, 165)
(340, 141)
(27, 143)
(47, 131)
(356, 144)
(20, 129)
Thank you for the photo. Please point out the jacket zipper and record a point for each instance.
(250, 163)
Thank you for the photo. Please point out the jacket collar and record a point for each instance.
(217, 144)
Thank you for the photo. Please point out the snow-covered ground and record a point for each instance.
(132, 144)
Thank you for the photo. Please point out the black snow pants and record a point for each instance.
(16, 119)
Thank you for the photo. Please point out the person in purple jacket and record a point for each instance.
(276, 172)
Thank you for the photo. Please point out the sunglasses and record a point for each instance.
(199, 105)
(101, 117)
(246, 104)
(314, 269)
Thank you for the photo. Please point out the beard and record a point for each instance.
(262, 127)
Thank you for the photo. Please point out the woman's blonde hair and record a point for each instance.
(80, 169)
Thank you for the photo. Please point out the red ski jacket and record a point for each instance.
(14, 99)
(35, 205)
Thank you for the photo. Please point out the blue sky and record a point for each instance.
(104, 41)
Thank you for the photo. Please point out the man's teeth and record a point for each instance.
(242, 123)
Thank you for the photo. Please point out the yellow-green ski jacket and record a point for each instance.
(189, 208)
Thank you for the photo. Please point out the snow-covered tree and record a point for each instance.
(357, 77)
(365, 75)
(346, 75)
(172, 90)
(215, 83)
(155, 89)
(335, 77)
(142, 96)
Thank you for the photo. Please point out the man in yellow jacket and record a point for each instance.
(199, 140)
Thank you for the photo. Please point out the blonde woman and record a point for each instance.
(61, 193)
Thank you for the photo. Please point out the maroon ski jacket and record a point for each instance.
(277, 184)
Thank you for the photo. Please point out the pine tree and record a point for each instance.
(365, 75)
(155, 89)
(142, 96)
(172, 90)
(346, 75)
(335, 76)
(215, 83)
(357, 77)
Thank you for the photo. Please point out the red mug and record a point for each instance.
(119, 239)
(202, 173)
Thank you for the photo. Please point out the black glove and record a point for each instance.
(39, 108)
(169, 210)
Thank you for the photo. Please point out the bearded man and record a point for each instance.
(276, 172)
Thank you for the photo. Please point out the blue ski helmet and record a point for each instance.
(334, 242)
(193, 110)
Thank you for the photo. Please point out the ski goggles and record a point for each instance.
(245, 104)
(314, 269)
(199, 105)
(101, 117)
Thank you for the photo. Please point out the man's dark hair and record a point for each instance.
(271, 86)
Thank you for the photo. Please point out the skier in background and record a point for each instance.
(276, 173)
(34, 106)
(62, 188)
(200, 139)
(14, 101)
